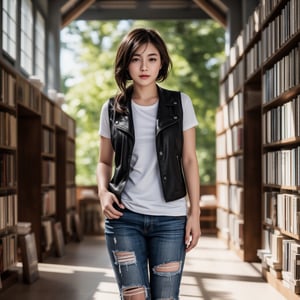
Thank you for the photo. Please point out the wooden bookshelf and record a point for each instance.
(30, 172)
(37, 164)
(61, 175)
(269, 49)
(8, 177)
(71, 201)
(65, 173)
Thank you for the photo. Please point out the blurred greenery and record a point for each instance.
(197, 50)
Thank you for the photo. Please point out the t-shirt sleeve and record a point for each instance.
(104, 128)
(189, 116)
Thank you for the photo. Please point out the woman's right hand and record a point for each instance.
(108, 201)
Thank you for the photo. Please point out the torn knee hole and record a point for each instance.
(125, 257)
(168, 267)
(134, 291)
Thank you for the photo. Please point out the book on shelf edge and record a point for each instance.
(29, 258)
(58, 239)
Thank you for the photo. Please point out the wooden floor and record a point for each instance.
(211, 272)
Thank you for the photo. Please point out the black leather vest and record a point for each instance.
(169, 142)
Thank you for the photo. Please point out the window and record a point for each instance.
(9, 32)
(40, 53)
(26, 36)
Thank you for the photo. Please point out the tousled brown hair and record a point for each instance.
(129, 45)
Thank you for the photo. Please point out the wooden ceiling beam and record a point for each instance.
(212, 12)
(75, 12)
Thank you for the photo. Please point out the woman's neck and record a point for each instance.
(145, 95)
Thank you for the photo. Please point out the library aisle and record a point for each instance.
(212, 272)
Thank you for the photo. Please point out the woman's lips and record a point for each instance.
(144, 76)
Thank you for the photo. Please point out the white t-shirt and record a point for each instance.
(143, 192)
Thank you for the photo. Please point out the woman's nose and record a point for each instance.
(143, 66)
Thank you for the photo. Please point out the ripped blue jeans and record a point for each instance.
(147, 254)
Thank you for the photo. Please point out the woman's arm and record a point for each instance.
(191, 172)
(104, 172)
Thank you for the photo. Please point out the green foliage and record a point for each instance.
(196, 49)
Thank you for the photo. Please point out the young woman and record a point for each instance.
(147, 135)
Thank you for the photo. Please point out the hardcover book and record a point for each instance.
(29, 258)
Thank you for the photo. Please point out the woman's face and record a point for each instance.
(145, 65)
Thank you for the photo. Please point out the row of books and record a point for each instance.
(92, 219)
(232, 83)
(8, 252)
(254, 59)
(7, 88)
(71, 171)
(267, 7)
(219, 120)
(71, 149)
(270, 208)
(281, 167)
(230, 142)
(47, 112)
(231, 197)
(282, 122)
(236, 51)
(288, 212)
(8, 173)
(236, 169)
(223, 222)
(282, 76)
(271, 252)
(252, 27)
(285, 26)
(281, 257)
(48, 240)
(231, 227)
(8, 211)
(222, 170)
(19, 90)
(281, 29)
(50, 227)
(60, 118)
(221, 145)
(8, 129)
(234, 139)
(71, 197)
(236, 229)
(48, 143)
(282, 210)
(233, 111)
(71, 128)
(28, 95)
(48, 202)
(48, 172)
(236, 199)
(240, 44)
(223, 195)
(291, 265)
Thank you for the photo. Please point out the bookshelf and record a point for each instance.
(37, 164)
(238, 145)
(71, 202)
(262, 209)
(65, 172)
(8, 177)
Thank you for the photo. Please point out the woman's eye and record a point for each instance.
(135, 59)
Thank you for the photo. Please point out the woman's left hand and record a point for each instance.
(192, 232)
